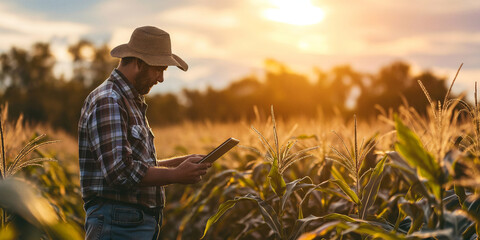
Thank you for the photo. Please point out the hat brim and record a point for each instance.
(124, 50)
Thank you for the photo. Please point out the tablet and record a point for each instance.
(220, 150)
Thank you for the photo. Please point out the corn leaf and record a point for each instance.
(21, 198)
(222, 209)
(472, 206)
(411, 148)
(300, 225)
(8, 233)
(277, 183)
(458, 222)
(371, 189)
(364, 227)
(320, 231)
(268, 214)
(340, 182)
(459, 190)
(416, 214)
(65, 231)
(307, 194)
(344, 218)
(376, 232)
(410, 176)
(469, 232)
(432, 234)
(301, 183)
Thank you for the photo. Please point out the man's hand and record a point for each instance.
(190, 171)
(175, 161)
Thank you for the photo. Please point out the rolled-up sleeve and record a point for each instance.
(107, 128)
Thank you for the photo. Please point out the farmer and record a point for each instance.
(121, 179)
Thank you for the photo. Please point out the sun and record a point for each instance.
(295, 12)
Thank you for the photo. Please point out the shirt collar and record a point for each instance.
(125, 85)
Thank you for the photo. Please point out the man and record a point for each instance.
(121, 179)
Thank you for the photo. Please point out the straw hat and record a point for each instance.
(152, 45)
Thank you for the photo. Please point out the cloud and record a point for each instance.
(200, 16)
(27, 27)
(432, 6)
(120, 35)
(24, 29)
(198, 45)
(434, 44)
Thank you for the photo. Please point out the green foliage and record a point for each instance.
(370, 191)
(345, 225)
(268, 214)
(280, 158)
(342, 184)
(415, 212)
(25, 214)
(33, 216)
(352, 161)
(276, 179)
(409, 145)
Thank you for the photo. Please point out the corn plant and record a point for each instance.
(415, 164)
(437, 130)
(12, 200)
(466, 168)
(363, 196)
(430, 204)
(427, 212)
(471, 142)
(19, 161)
(439, 136)
(279, 159)
(427, 208)
(351, 159)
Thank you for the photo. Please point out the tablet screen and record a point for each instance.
(220, 150)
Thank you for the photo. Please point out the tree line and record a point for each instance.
(28, 85)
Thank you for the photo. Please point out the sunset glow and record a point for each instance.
(226, 41)
(300, 12)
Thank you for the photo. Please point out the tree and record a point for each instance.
(394, 82)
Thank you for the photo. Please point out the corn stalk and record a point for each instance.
(19, 162)
(2, 175)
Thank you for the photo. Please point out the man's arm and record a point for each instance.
(175, 161)
(187, 172)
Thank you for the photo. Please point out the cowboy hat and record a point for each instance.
(152, 45)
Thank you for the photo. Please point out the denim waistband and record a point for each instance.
(155, 211)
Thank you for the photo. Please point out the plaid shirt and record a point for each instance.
(116, 145)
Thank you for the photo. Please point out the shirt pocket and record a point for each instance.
(141, 144)
(138, 140)
(138, 132)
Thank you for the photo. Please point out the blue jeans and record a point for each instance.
(113, 220)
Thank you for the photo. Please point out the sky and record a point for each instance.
(224, 41)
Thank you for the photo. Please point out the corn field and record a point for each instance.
(401, 176)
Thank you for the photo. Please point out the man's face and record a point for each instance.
(147, 77)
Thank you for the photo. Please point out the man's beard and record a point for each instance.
(140, 85)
